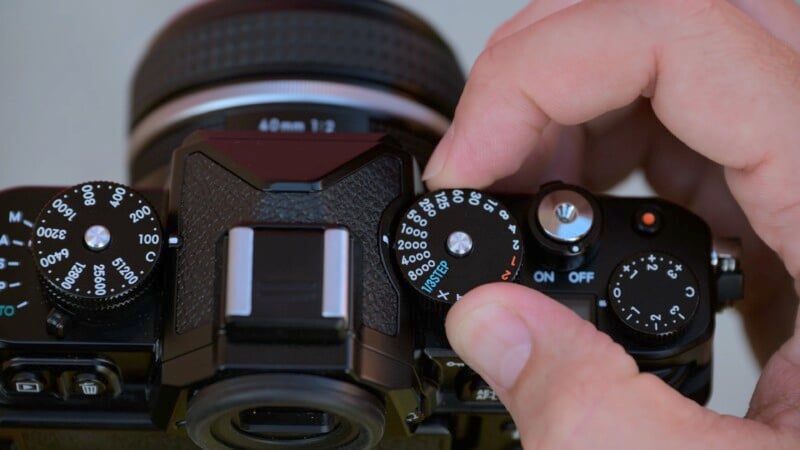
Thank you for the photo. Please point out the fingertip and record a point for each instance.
(439, 157)
(457, 162)
(520, 299)
(467, 319)
(490, 337)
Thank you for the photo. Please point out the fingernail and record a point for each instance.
(439, 157)
(495, 342)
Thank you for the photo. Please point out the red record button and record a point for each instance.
(648, 220)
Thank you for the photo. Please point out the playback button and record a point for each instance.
(27, 383)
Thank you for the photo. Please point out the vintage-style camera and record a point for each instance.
(278, 277)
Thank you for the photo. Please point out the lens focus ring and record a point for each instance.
(359, 42)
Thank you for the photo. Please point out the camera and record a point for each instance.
(278, 277)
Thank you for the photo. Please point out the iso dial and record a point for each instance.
(96, 245)
(654, 294)
(453, 240)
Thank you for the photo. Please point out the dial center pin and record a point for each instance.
(459, 244)
(97, 238)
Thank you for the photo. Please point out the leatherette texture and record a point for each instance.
(213, 200)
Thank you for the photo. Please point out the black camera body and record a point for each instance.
(277, 276)
(281, 311)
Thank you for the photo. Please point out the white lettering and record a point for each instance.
(542, 276)
(581, 277)
(276, 125)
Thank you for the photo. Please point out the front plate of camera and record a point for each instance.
(451, 241)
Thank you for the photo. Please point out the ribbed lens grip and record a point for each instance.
(363, 42)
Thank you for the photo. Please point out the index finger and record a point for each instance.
(718, 81)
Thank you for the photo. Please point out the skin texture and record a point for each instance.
(704, 96)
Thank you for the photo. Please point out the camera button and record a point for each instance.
(27, 383)
(89, 385)
(648, 220)
(565, 215)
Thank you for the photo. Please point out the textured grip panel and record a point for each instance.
(213, 200)
(355, 41)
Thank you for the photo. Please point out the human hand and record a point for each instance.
(558, 94)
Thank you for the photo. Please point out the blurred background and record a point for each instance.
(65, 70)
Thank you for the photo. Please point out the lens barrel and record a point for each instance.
(289, 66)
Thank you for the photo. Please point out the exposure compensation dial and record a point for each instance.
(96, 245)
(655, 294)
(453, 240)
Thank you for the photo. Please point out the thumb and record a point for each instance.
(565, 383)
(502, 329)
(776, 400)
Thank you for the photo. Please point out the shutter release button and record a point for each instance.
(565, 215)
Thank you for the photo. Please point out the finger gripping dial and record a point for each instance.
(453, 240)
(654, 294)
(95, 245)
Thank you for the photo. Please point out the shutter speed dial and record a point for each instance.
(96, 245)
(655, 294)
(453, 240)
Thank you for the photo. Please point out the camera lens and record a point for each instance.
(314, 66)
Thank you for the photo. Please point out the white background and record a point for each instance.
(65, 69)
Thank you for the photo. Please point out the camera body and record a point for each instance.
(277, 276)
(282, 308)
